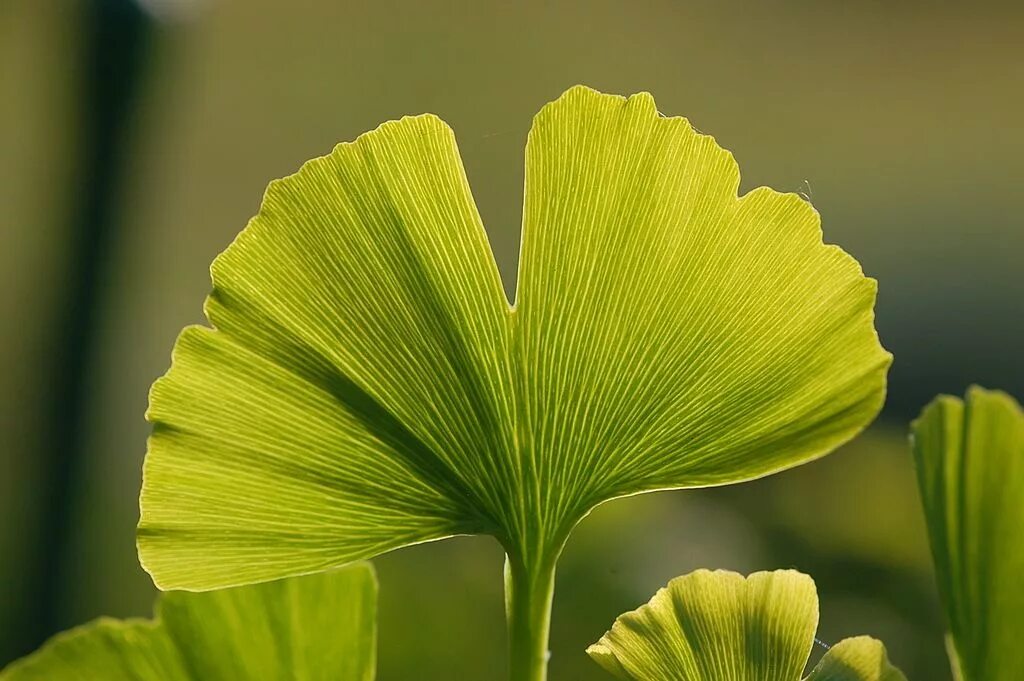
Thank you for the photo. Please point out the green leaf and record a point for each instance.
(720, 626)
(130, 650)
(368, 386)
(970, 466)
(856, 659)
(321, 627)
(716, 625)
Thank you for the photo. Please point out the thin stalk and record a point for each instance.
(529, 589)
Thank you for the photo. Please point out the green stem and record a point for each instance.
(529, 589)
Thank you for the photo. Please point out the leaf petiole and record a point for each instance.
(529, 589)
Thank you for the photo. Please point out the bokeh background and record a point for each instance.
(136, 140)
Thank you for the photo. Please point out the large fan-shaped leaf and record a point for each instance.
(970, 466)
(321, 627)
(368, 386)
(720, 626)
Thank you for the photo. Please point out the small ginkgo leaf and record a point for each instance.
(970, 467)
(716, 625)
(367, 385)
(720, 626)
(316, 628)
(861, 658)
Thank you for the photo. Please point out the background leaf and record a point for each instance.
(970, 462)
(720, 626)
(321, 627)
(856, 659)
(133, 650)
(716, 625)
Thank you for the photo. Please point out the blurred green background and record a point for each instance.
(136, 140)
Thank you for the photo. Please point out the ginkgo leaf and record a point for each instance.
(970, 467)
(368, 386)
(320, 627)
(720, 626)
(856, 659)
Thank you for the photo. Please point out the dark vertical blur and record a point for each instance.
(115, 38)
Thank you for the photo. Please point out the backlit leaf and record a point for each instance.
(321, 627)
(970, 465)
(720, 626)
(856, 659)
(368, 386)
